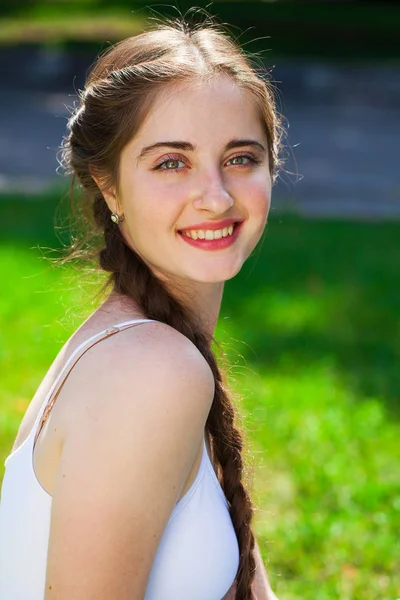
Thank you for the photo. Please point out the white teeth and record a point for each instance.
(209, 234)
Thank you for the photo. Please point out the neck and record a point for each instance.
(204, 300)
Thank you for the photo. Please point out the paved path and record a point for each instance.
(344, 125)
(344, 134)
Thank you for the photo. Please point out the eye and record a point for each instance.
(253, 160)
(170, 159)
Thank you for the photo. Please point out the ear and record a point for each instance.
(109, 194)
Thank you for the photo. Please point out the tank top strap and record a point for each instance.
(71, 362)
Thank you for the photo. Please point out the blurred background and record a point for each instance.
(311, 325)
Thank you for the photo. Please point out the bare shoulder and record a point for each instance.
(142, 398)
(150, 355)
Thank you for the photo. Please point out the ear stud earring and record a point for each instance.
(116, 218)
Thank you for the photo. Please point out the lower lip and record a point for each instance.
(219, 244)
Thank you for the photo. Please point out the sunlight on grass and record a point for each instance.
(42, 308)
(289, 312)
(323, 487)
(79, 28)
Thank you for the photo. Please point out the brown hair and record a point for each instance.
(119, 92)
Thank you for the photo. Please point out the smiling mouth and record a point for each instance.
(208, 239)
(209, 234)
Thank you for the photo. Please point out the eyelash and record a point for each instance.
(251, 157)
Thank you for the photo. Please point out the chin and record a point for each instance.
(216, 276)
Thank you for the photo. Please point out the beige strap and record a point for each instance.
(71, 362)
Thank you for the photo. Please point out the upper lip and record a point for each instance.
(213, 225)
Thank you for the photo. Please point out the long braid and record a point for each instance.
(131, 277)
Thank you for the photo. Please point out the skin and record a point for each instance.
(207, 184)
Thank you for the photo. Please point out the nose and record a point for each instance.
(213, 197)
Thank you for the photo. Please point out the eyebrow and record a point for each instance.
(179, 145)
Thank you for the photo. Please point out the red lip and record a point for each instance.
(212, 225)
(214, 245)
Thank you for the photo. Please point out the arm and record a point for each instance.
(260, 587)
(138, 421)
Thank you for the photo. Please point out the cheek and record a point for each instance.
(259, 199)
(153, 209)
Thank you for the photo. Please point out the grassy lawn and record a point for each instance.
(312, 330)
(288, 28)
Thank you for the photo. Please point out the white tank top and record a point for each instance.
(198, 556)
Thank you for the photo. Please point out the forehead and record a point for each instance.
(216, 109)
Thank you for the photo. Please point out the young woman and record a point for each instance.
(130, 486)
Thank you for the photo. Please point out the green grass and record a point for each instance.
(311, 326)
(330, 31)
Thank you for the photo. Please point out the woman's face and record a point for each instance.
(201, 187)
